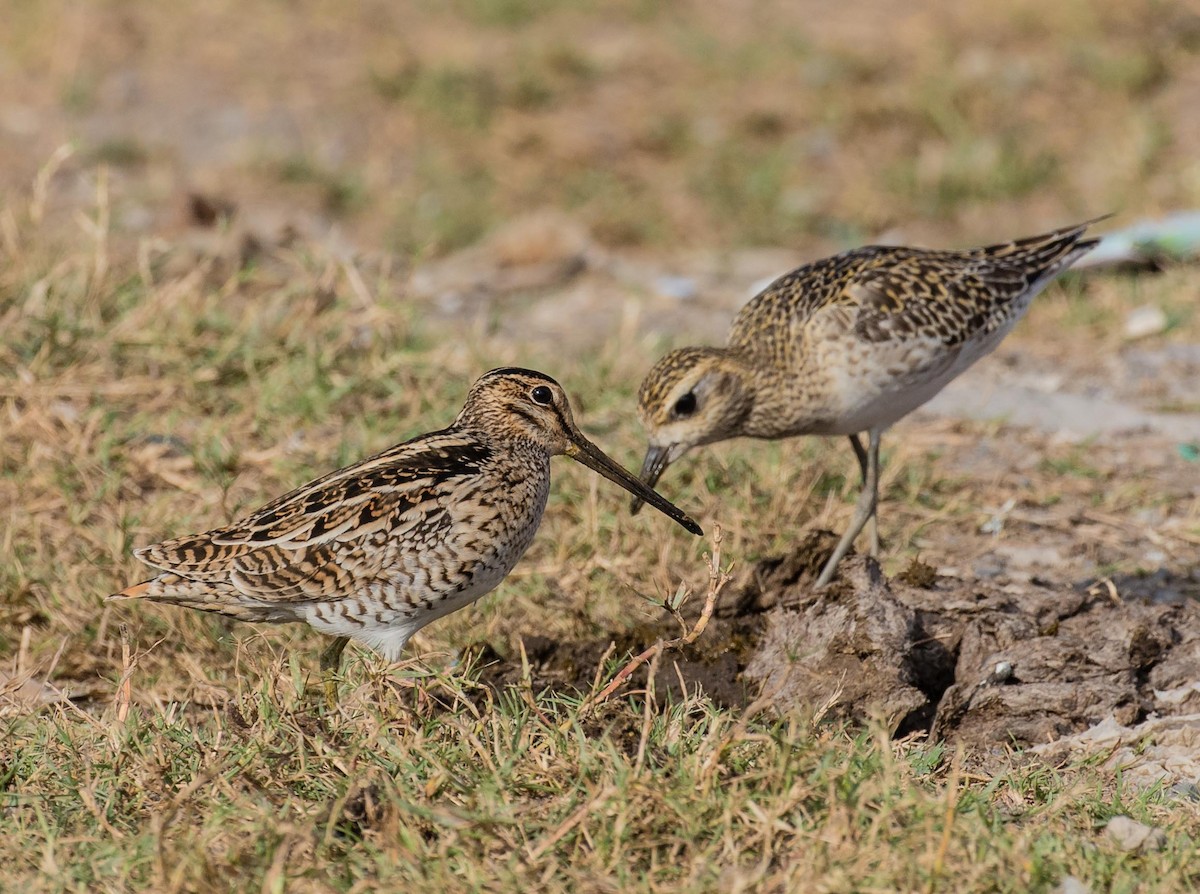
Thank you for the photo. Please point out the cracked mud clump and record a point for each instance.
(970, 662)
(966, 661)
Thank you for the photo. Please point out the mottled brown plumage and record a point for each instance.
(848, 344)
(377, 550)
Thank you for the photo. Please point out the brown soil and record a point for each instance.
(971, 662)
(714, 664)
(975, 663)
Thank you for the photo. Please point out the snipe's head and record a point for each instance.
(513, 404)
(692, 396)
(519, 404)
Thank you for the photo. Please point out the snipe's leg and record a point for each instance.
(864, 509)
(873, 523)
(331, 659)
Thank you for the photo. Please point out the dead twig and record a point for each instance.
(534, 854)
(717, 579)
(648, 708)
(939, 858)
(124, 694)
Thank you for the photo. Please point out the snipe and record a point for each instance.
(375, 551)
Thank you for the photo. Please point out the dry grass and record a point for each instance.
(157, 379)
(196, 757)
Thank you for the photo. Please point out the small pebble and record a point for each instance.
(1130, 835)
(1185, 791)
(1002, 672)
(995, 524)
(1145, 320)
(1072, 885)
(988, 568)
(681, 288)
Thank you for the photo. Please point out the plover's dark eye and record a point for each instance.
(542, 395)
(686, 405)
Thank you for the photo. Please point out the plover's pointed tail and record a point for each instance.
(1046, 254)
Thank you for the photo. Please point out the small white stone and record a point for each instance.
(1130, 835)
(681, 288)
(1146, 320)
(1072, 885)
(995, 524)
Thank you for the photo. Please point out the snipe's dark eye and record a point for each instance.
(686, 405)
(542, 395)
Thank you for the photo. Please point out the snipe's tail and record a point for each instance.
(137, 591)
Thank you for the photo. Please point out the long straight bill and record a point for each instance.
(585, 452)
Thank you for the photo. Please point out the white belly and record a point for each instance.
(879, 388)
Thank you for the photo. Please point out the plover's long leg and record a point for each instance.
(873, 523)
(864, 509)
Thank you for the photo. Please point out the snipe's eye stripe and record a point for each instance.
(518, 410)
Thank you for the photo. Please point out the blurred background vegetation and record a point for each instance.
(419, 127)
